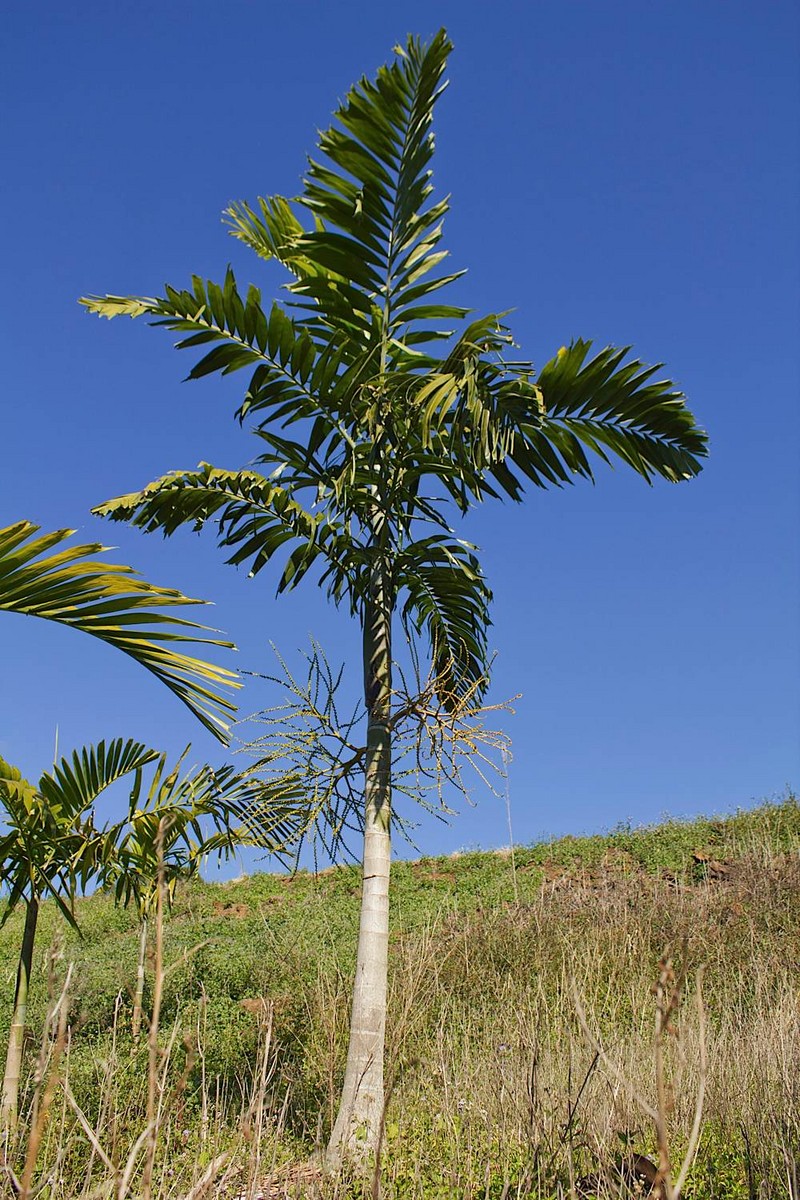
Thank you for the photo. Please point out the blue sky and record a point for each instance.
(623, 172)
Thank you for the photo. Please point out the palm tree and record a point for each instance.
(52, 848)
(375, 420)
(173, 826)
(114, 604)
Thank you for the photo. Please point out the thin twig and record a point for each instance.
(574, 1108)
(504, 756)
(87, 1129)
(125, 1181)
(152, 1038)
(606, 1061)
(59, 1011)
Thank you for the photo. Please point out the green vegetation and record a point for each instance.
(51, 848)
(486, 1055)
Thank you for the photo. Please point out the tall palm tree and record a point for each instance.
(378, 410)
(50, 847)
(113, 603)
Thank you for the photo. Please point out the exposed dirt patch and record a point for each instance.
(230, 910)
(713, 868)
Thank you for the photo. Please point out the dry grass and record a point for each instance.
(498, 1089)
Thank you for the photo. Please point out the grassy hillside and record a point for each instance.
(497, 1086)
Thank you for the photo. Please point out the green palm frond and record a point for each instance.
(113, 603)
(294, 376)
(233, 499)
(274, 234)
(175, 819)
(178, 818)
(242, 335)
(612, 405)
(76, 781)
(254, 516)
(15, 789)
(373, 245)
(447, 597)
(371, 197)
(52, 846)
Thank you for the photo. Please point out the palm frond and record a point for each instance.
(77, 781)
(612, 405)
(53, 847)
(177, 818)
(254, 516)
(369, 257)
(274, 234)
(114, 604)
(16, 793)
(377, 227)
(287, 366)
(447, 597)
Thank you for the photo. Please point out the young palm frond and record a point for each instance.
(178, 818)
(51, 846)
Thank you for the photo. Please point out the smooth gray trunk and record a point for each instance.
(356, 1133)
(16, 1036)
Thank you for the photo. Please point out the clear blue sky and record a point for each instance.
(623, 171)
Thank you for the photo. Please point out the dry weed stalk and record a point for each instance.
(419, 976)
(668, 991)
(47, 1075)
(212, 1171)
(254, 1121)
(91, 1135)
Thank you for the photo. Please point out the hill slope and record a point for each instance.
(496, 1082)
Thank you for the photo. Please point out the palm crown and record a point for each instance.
(374, 401)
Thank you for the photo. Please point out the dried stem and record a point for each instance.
(694, 1137)
(668, 992)
(43, 1099)
(610, 1066)
(209, 1175)
(87, 1129)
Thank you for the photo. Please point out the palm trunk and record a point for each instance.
(16, 1035)
(356, 1133)
(138, 998)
